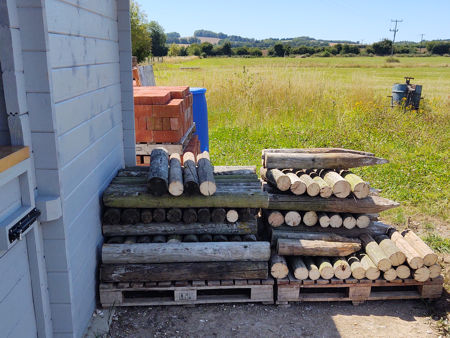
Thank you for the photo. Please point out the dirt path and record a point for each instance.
(374, 319)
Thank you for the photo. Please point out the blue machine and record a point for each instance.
(200, 114)
(406, 94)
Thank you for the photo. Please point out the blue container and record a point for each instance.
(200, 112)
(399, 91)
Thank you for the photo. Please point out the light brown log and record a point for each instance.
(341, 268)
(421, 274)
(341, 188)
(276, 178)
(275, 218)
(335, 220)
(206, 175)
(174, 239)
(325, 268)
(319, 160)
(292, 218)
(278, 266)
(372, 272)
(190, 175)
(348, 221)
(158, 172)
(111, 216)
(403, 271)
(298, 187)
(203, 215)
(324, 220)
(360, 189)
(218, 215)
(159, 239)
(304, 247)
(146, 216)
(189, 216)
(412, 256)
(176, 186)
(298, 267)
(174, 215)
(375, 253)
(428, 256)
(325, 190)
(313, 269)
(232, 216)
(362, 221)
(310, 218)
(312, 187)
(356, 267)
(130, 216)
(390, 274)
(159, 215)
(435, 270)
(190, 238)
(395, 255)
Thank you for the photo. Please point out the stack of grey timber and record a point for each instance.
(322, 220)
(183, 242)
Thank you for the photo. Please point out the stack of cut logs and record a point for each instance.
(322, 220)
(183, 220)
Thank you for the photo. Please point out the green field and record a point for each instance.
(257, 103)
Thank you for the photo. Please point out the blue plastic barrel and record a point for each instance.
(200, 112)
(399, 91)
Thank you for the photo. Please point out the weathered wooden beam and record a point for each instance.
(305, 247)
(322, 236)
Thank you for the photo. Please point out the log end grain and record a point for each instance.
(421, 274)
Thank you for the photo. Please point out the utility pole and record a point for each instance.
(421, 38)
(395, 30)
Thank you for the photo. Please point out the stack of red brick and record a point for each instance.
(162, 114)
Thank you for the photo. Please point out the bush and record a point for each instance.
(438, 47)
(383, 47)
(392, 59)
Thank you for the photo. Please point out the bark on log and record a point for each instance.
(144, 239)
(246, 214)
(159, 239)
(235, 238)
(403, 271)
(206, 238)
(341, 268)
(275, 218)
(189, 216)
(335, 220)
(421, 274)
(395, 255)
(320, 160)
(315, 151)
(218, 215)
(362, 221)
(239, 228)
(130, 216)
(340, 187)
(111, 216)
(276, 178)
(190, 239)
(324, 220)
(360, 188)
(356, 267)
(435, 270)
(206, 175)
(130, 240)
(190, 176)
(278, 266)
(249, 238)
(183, 271)
(325, 268)
(174, 215)
(310, 218)
(146, 216)
(428, 256)
(415, 261)
(174, 239)
(220, 238)
(390, 274)
(158, 173)
(298, 267)
(313, 269)
(372, 272)
(298, 187)
(176, 186)
(304, 247)
(292, 218)
(203, 215)
(348, 221)
(159, 215)
(232, 216)
(375, 253)
(116, 240)
(328, 237)
(312, 187)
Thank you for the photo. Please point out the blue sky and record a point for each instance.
(366, 21)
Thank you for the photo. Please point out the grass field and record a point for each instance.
(257, 103)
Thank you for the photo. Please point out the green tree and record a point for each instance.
(194, 49)
(382, 47)
(141, 41)
(226, 48)
(278, 49)
(158, 39)
(174, 50)
(207, 48)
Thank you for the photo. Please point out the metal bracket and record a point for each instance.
(16, 231)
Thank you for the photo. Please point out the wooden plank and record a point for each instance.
(12, 155)
(183, 271)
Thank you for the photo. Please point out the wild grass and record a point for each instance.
(326, 102)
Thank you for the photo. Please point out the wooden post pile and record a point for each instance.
(183, 220)
(322, 220)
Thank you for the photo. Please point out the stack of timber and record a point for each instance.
(323, 224)
(186, 248)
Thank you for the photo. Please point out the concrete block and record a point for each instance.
(41, 112)
(50, 207)
(44, 150)
(36, 72)
(32, 28)
(55, 255)
(59, 287)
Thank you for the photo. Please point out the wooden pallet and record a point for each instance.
(187, 293)
(290, 289)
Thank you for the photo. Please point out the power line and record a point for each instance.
(395, 30)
